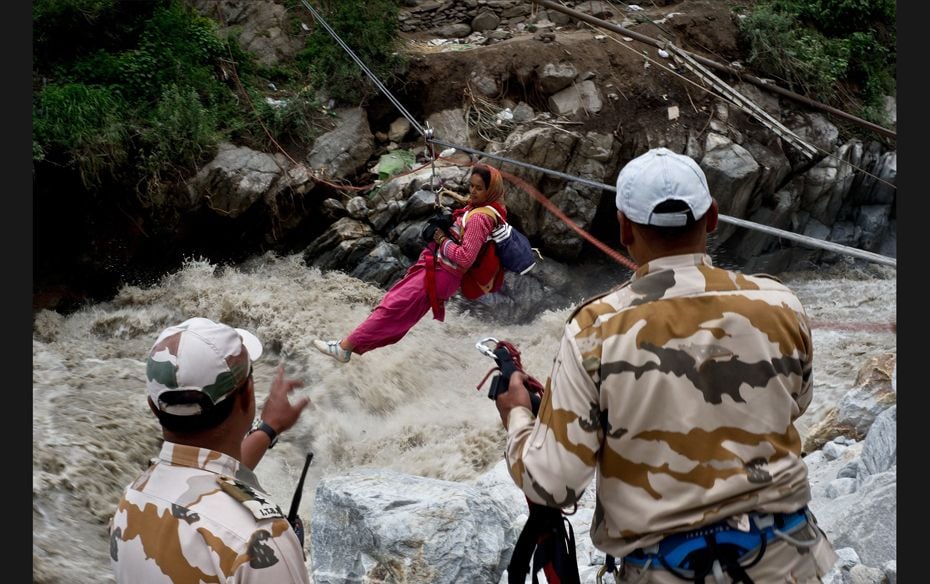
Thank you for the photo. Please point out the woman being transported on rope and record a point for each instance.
(436, 275)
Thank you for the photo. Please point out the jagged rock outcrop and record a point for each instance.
(859, 407)
(576, 105)
(260, 26)
(749, 180)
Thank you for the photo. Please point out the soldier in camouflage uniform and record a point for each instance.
(679, 391)
(198, 514)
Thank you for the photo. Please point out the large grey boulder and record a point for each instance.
(374, 525)
(450, 126)
(864, 519)
(486, 20)
(880, 451)
(343, 151)
(576, 100)
(880, 187)
(816, 130)
(826, 185)
(261, 27)
(869, 522)
(590, 156)
(235, 179)
(383, 265)
(554, 77)
(732, 174)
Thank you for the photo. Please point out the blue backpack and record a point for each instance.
(513, 248)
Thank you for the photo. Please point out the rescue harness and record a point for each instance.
(547, 540)
(717, 548)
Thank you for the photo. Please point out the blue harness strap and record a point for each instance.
(675, 551)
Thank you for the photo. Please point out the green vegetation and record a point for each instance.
(84, 121)
(180, 132)
(840, 51)
(369, 29)
(129, 93)
(137, 94)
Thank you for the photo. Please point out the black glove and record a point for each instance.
(501, 382)
(444, 221)
(441, 221)
(429, 230)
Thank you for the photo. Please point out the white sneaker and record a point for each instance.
(332, 349)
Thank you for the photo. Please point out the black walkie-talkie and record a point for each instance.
(292, 517)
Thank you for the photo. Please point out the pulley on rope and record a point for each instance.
(432, 186)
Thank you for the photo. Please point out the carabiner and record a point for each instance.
(602, 571)
(482, 346)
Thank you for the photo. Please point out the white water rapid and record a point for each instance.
(411, 407)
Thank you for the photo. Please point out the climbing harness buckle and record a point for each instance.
(714, 549)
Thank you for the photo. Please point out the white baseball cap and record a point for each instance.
(657, 176)
(198, 358)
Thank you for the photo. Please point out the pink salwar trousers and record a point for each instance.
(403, 306)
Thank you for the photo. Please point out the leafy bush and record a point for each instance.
(84, 126)
(180, 131)
(369, 29)
(64, 31)
(295, 118)
(841, 17)
(871, 67)
(802, 58)
(173, 46)
(131, 84)
(151, 87)
(827, 49)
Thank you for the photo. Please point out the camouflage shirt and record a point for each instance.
(197, 515)
(681, 387)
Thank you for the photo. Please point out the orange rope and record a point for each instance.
(856, 326)
(543, 200)
(552, 208)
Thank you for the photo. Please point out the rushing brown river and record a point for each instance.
(412, 407)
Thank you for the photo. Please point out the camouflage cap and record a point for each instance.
(195, 358)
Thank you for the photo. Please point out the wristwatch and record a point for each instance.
(260, 424)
